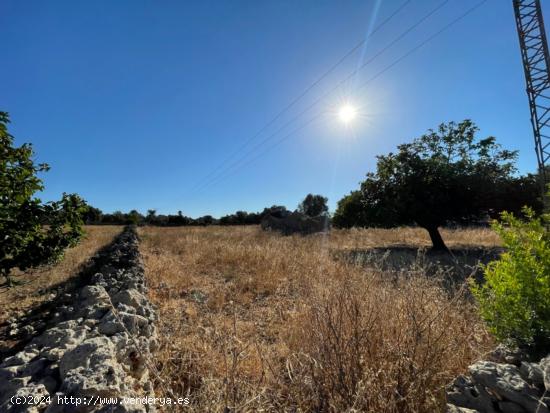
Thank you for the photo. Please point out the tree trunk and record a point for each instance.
(437, 242)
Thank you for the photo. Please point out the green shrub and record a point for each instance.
(515, 298)
(32, 233)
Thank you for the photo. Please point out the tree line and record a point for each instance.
(312, 205)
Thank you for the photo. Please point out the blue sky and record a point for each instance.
(135, 103)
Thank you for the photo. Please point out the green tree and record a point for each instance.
(134, 217)
(350, 211)
(513, 194)
(277, 211)
(151, 217)
(445, 176)
(515, 298)
(205, 220)
(93, 215)
(31, 233)
(313, 205)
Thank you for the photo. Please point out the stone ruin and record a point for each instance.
(296, 223)
(97, 347)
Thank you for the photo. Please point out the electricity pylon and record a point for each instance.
(536, 65)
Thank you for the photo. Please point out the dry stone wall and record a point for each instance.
(506, 384)
(99, 348)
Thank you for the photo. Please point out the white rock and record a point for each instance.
(532, 373)
(505, 380)
(545, 367)
(90, 353)
(455, 409)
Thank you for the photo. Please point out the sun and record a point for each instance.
(347, 113)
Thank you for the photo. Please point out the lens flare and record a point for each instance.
(347, 113)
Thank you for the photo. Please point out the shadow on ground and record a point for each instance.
(456, 266)
(22, 326)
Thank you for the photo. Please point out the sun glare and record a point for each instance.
(347, 113)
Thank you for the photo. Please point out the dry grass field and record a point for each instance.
(38, 285)
(253, 321)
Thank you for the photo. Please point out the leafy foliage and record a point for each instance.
(96, 217)
(277, 211)
(93, 215)
(445, 176)
(31, 233)
(241, 218)
(515, 298)
(514, 194)
(350, 211)
(313, 205)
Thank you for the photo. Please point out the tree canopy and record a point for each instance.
(313, 205)
(446, 176)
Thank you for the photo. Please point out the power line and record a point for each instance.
(324, 95)
(380, 73)
(307, 90)
(220, 178)
(427, 40)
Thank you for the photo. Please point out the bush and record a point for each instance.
(515, 298)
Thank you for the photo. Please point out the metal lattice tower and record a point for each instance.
(536, 64)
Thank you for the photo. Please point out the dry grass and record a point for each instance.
(407, 236)
(36, 283)
(252, 321)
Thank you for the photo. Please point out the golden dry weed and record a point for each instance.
(253, 321)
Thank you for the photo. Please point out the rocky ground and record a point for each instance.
(96, 348)
(94, 351)
(506, 384)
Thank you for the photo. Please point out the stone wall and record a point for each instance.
(507, 384)
(97, 347)
(296, 223)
